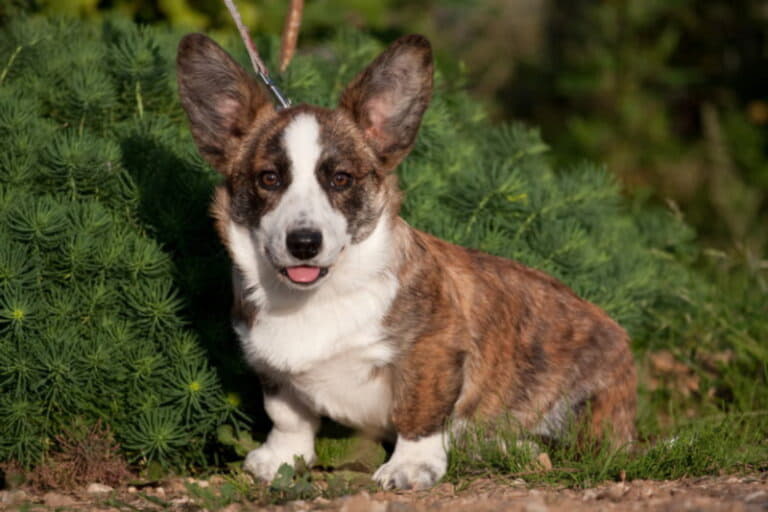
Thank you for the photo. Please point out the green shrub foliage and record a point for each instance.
(103, 217)
(89, 314)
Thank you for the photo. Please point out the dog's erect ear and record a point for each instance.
(388, 99)
(220, 98)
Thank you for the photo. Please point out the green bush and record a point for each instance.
(89, 314)
(103, 216)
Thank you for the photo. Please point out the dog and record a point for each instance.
(346, 311)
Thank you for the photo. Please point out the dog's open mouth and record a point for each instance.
(304, 275)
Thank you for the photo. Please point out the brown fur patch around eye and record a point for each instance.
(371, 191)
(360, 202)
(261, 151)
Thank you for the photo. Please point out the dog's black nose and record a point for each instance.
(304, 243)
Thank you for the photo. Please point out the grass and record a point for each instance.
(704, 447)
(344, 465)
(290, 484)
(727, 444)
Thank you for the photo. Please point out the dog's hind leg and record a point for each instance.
(612, 409)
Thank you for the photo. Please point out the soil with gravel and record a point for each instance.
(723, 493)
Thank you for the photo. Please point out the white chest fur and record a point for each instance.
(333, 355)
(330, 343)
(352, 388)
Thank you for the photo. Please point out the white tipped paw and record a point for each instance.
(415, 464)
(280, 448)
(409, 474)
(264, 462)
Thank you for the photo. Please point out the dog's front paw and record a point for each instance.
(264, 462)
(415, 464)
(409, 474)
(280, 448)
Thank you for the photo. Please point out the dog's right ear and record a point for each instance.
(221, 99)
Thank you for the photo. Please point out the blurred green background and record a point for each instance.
(672, 95)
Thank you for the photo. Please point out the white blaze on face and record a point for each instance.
(304, 203)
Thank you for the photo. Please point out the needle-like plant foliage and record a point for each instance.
(114, 290)
(90, 323)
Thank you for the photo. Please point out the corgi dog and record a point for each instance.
(346, 311)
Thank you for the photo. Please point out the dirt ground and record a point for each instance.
(724, 493)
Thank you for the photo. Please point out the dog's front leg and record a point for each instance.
(426, 389)
(292, 434)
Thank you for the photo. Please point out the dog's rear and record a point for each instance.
(500, 337)
(346, 311)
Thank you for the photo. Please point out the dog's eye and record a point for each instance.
(341, 180)
(269, 180)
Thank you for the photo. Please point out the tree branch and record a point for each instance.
(290, 33)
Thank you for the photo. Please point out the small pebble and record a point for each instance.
(756, 496)
(535, 506)
(97, 488)
(56, 500)
(176, 486)
(617, 491)
(216, 480)
(13, 497)
(544, 461)
(362, 503)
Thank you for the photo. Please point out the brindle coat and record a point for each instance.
(473, 335)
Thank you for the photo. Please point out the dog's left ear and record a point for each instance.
(388, 99)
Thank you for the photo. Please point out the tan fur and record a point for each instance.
(482, 336)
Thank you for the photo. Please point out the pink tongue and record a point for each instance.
(303, 274)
